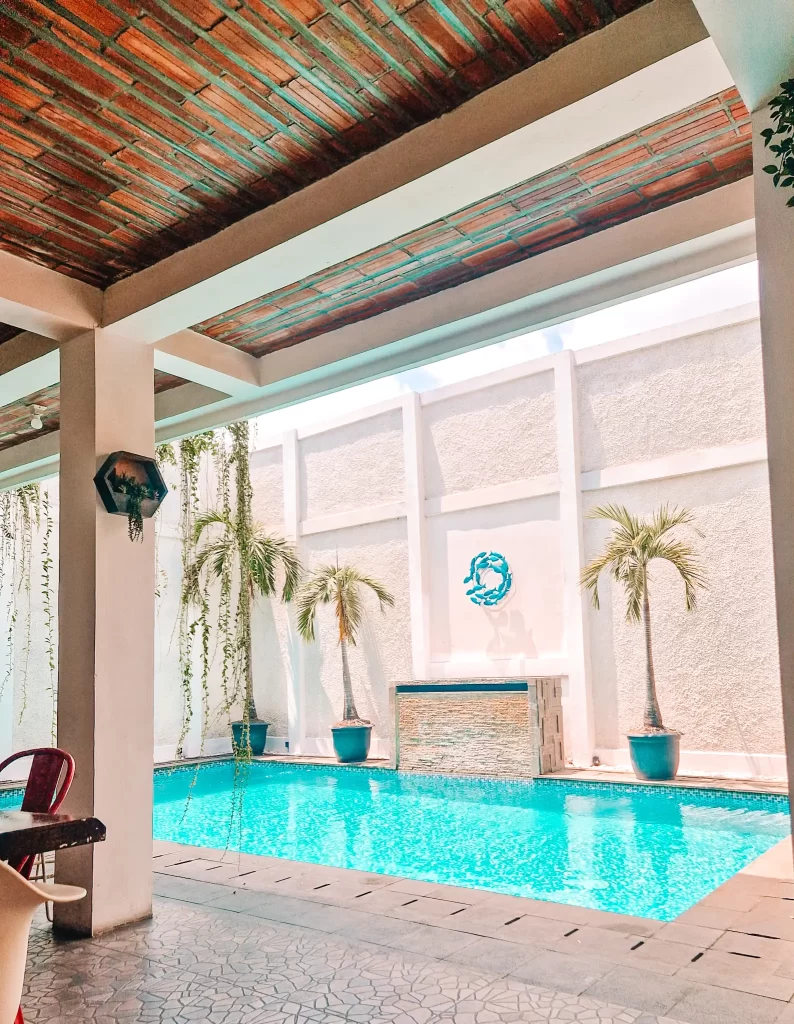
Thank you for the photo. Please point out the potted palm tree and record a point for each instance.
(632, 545)
(241, 551)
(341, 586)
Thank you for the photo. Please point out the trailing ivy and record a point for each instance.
(20, 515)
(193, 614)
(779, 139)
(49, 618)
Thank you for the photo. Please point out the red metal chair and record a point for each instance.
(43, 793)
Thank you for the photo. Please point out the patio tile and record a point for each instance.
(689, 934)
(710, 1005)
(598, 942)
(562, 971)
(483, 920)
(186, 889)
(383, 900)
(730, 898)
(640, 989)
(741, 973)
(239, 900)
(459, 894)
(495, 956)
(426, 910)
(432, 942)
(289, 910)
(656, 953)
(756, 945)
(709, 917)
(624, 923)
(537, 931)
(414, 886)
(379, 930)
(194, 962)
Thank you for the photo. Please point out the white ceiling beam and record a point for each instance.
(677, 244)
(210, 363)
(674, 245)
(28, 363)
(44, 301)
(756, 41)
(643, 67)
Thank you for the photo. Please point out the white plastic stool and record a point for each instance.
(18, 901)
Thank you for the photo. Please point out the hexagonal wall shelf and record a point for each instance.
(122, 470)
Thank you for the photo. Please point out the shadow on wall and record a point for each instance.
(269, 650)
(510, 634)
(376, 674)
(319, 709)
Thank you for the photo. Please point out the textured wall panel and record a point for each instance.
(494, 436)
(697, 392)
(353, 466)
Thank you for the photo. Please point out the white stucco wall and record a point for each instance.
(353, 466)
(529, 622)
(701, 391)
(501, 433)
(639, 401)
(383, 652)
(717, 667)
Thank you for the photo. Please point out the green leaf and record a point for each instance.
(790, 202)
(771, 169)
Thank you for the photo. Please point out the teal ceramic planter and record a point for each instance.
(351, 742)
(655, 756)
(258, 736)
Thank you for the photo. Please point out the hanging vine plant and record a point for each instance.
(20, 518)
(779, 139)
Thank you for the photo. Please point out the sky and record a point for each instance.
(725, 289)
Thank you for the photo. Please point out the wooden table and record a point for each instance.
(23, 833)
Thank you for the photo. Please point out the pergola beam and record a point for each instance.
(44, 301)
(212, 364)
(645, 66)
(683, 242)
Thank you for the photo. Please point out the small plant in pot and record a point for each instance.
(631, 546)
(341, 586)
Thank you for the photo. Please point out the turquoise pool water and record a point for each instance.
(647, 851)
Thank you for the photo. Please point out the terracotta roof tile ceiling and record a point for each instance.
(130, 129)
(15, 419)
(682, 156)
(7, 332)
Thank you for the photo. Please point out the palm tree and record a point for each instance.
(340, 586)
(245, 552)
(633, 544)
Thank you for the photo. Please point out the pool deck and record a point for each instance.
(729, 958)
(244, 939)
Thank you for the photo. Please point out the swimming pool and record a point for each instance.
(641, 850)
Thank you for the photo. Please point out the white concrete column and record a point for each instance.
(418, 569)
(106, 633)
(578, 695)
(296, 716)
(774, 224)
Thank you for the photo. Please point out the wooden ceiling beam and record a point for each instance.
(643, 67)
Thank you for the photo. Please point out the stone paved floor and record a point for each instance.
(239, 939)
(198, 963)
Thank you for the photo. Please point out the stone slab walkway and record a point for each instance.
(239, 939)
